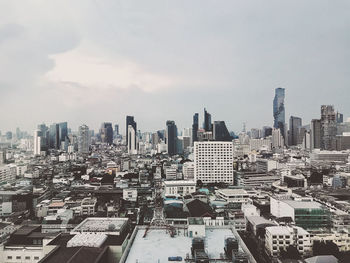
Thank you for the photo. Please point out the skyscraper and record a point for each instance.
(279, 111)
(195, 127)
(116, 130)
(207, 125)
(106, 133)
(63, 131)
(83, 139)
(37, 142)
(132, 146)
(294, 124)
(328, 127)
(130, 121)
(340, 117)
(220, 132)
(54, 134)
(315, 134)
(171, 137)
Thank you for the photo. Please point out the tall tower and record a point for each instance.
(171, 137)
(37, 142)
(130, 121)
(195, 127)
(132, 146)
(279, 110)
(294, 124)
(207, 126)
(106, 132)
(328, 127)
(83, 139)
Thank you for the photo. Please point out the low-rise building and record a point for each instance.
(180, 187)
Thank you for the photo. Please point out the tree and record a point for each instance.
(325, 248)
(199, 183)
(291, 253)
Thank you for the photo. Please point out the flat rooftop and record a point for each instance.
(303, 204)
(158, 245)
(101, 224)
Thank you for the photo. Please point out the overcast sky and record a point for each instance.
(89, 61)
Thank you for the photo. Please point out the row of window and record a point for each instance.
(26, 257)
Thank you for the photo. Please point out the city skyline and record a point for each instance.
(130, 62)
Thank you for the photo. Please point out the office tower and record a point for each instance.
(255, 133)
(294, 124)
(8, 135)
(266, 131)
(340, 117)
(83, 139)
(54, 132)
(220, 132)
(277, 139)
(106, 133)
(130, 121)
(63, 131)
(45, 137)
(2, 157)
(328, 127)
(213, 162)
(171, 137)
(207, 125)
(132, 146)
(37, 142)
(116, 130)
(195, 128)
(279, 111)
(315, 134)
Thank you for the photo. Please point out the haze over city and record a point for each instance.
(84, 61)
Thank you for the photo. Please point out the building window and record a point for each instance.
(18, 257)
(36, 258)
(9, 257)
(27, 258)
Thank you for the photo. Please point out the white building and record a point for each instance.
(237, 196)
(83, 139)
(188, 170)
(130, 194)
(8, 173)
(213, 162)
(180, 187)
(132, 146)
(88, 206)
(277, 139)
(37, 142)
(279, 238)
(259, 144)
(171, 172)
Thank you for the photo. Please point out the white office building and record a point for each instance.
(188, 170)
(279, 238)
(213, 162)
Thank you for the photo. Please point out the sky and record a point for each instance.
(90, 61)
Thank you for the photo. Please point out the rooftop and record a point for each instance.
(157, 246)
(101, 224)
(303, 204)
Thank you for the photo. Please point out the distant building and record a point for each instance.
(130, 121)
(132, 141)
(116, 130)
(213, 162)
(171, 137)
(195, 127)
(207, 125)
(328, 127)
(220, 132)
(315, 134)
(279, 111)
(294, 125)
(106, 132)
(83, 139)
(37, 142)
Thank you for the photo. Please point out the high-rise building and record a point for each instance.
(277, 139)
(294, 124)
(9, 135)
(116, 130)
(171, 137)
(63, 131)
(315, 133)
(266, 131)
(195, 127)
(37, 142)
(106, 133)
(328, 127)
(213, 162)
(132, 145)
(220, 132)
(207, 125)
(45, 137)
(130, 121)
(279, 111)
(340, 117)
(54, 136)
(83, 139)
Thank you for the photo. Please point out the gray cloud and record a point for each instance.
(226, 55)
